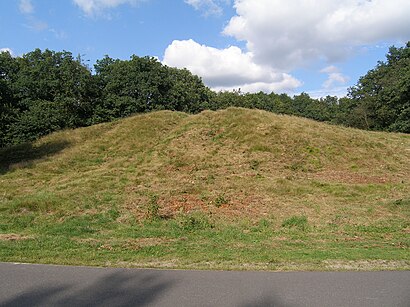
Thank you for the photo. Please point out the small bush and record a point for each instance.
(299, 222)
(220, 200)
(153, 208)
(194, 221)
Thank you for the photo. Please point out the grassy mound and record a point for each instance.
(235, 188)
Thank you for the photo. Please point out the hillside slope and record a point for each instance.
(232, 166)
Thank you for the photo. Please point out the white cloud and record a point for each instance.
(210, 7)
(26, 7)
(33, 23)
(334, 85)
(334, 77)
(283, 35)
(340, 91)
(287, 34)
(36, 24)
(227, 69)
(95, 7)
(7, 50)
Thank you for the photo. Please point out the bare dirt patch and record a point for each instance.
(182, 204)
(13, 237)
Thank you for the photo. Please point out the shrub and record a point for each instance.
(194, 221)
(153, 208)
(299, 222)
(220, 200)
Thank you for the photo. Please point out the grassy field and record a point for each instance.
(233, 189)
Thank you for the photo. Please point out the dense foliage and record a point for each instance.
(42, 92)
(45, 91)
(381, 98)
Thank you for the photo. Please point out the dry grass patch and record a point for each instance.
(366, 265)
(14, 237)
(125, 243)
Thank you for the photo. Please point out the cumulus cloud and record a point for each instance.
(94, 7)
(281, 36)
(26, 7)
(287, 34)
(6, 50)
(227, 69)
(209, 7)
(335, 77)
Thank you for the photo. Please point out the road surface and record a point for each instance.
(48, 285)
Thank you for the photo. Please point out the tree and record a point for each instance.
(34, 87)
(50, 76)
(187, 92)
(42, 118)
(143, 84)
(8, 110)
(382, 96)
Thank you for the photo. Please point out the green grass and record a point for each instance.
(299, 222)
(233, 189)
(197, 241)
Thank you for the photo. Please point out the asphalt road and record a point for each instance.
(45, 285)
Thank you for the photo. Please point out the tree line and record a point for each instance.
(46, 91)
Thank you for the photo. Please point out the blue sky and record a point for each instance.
(317, 46)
